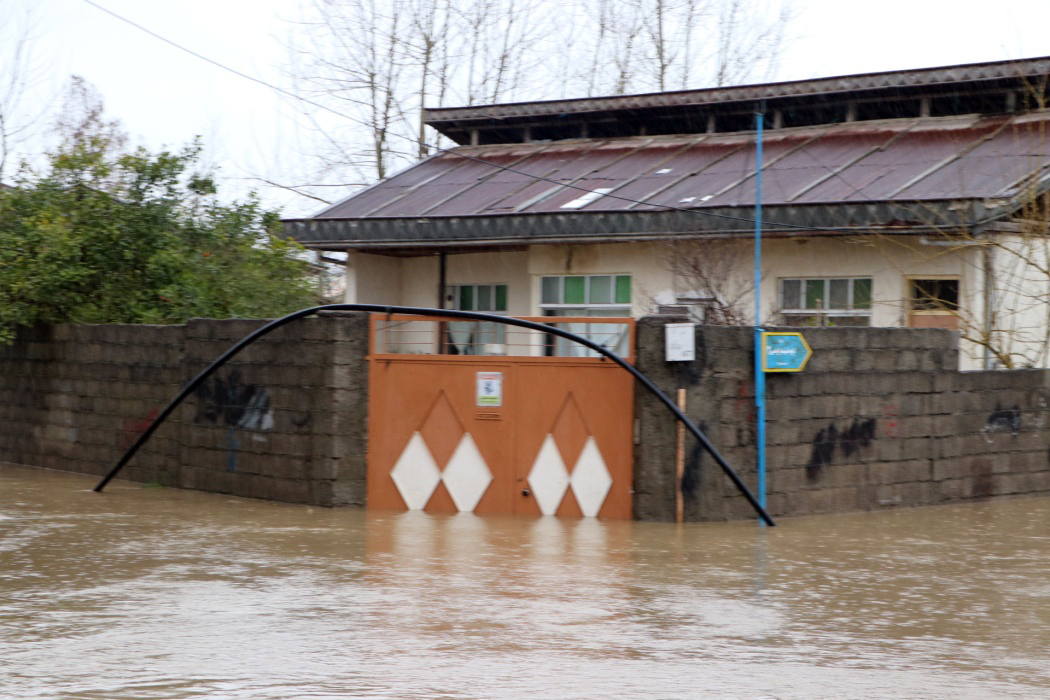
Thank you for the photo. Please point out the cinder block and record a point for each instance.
(845, 475)
(290, 491)
(864, 360)
(916, 426)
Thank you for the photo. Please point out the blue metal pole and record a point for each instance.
(760, 375)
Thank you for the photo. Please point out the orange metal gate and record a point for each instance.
(530, 426)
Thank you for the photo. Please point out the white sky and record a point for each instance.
(165, 97)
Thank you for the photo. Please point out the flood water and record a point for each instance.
(158, 593)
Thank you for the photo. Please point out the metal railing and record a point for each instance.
(400, 334)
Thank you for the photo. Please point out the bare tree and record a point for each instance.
(712, 276)
(380, 62)
(659, 45)
(20, 72)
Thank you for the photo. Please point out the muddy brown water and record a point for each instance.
(157, 593)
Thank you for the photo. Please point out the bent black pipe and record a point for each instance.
(448, 313)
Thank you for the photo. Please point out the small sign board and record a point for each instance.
(680, 342)
(489, 389)
(784, 352)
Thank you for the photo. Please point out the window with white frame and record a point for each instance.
(477, 337)
(826, 301)
(587, 295)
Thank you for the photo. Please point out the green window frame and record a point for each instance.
(585, 292)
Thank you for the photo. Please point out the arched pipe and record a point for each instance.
(447, 313)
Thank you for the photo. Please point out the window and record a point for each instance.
(490, 298)
(835, 301)
(587, 295)
(933, 303)
(477, 337)
(934, 295)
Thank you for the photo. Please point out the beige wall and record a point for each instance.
(651, 280)
(419, 281)
(888, 260)
(372, 279)
(419, 277)
(1021, 299)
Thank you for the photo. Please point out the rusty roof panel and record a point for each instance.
(718, 184)
(881, 174)
(1011, 154)
(445, 168)
(455, 181)
(385, 191)
(667, 164)
(570, 166)
(862, 162)
(799, 164)
(831, 157)
(604, 171)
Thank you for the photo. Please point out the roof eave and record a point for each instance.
(632, 226)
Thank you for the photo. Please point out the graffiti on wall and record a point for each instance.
(830, 440)
(231, 402)
(1002, 420)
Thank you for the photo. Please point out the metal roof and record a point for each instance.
(1013, 71)
(908, 173)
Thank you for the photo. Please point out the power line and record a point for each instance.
(449, 151)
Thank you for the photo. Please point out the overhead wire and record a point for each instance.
(457, 153)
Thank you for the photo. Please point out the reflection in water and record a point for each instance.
(153, 593)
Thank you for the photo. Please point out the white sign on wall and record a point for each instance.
(490, 389)
(680, 342)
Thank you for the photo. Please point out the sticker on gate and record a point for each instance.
(490, 389)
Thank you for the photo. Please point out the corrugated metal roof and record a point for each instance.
(956, 158)
(853, 84)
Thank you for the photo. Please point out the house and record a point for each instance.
(906, 198)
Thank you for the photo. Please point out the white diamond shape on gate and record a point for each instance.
(466, 475)
(415, 474)
(548, 478)
(591, 480)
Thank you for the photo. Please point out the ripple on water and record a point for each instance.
(183, 595)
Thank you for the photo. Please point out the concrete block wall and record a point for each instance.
(880, 418)
(72, 397)
(285, 420)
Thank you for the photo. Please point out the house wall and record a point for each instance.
(510, 269)
(879, 418)
(286, 420)
(375, 279)
(889, 260)
(651, 278)
(1021, 298)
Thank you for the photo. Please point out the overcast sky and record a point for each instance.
(166, 97)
